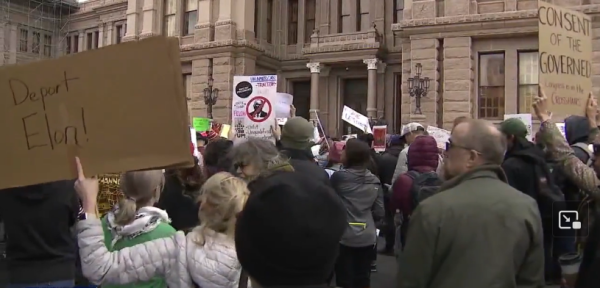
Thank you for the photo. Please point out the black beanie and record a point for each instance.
(289, 231)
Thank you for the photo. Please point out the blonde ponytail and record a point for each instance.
(222, 197)
(139, 187)
(126, 212)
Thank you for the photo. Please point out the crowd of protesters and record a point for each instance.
(269, 213)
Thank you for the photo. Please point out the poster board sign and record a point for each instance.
(526, 119)
(565, 58)
(201, 124)
(356, 119)
(253, 107)
(282, 104)
(440, 135)
(54, 110)
(561, 128)
(379, 138)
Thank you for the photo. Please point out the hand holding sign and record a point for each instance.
(540, 106)
(592, 108)
(86, 188)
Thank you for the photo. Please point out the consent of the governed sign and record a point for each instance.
(565, 63)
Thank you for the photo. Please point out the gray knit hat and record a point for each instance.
(297, 133)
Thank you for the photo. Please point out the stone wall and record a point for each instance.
(458, 79)
(425, 52)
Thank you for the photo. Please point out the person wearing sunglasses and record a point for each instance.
(477, 231)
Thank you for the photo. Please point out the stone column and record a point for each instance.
(315, 69)
(81, 46)
(372, 88)
(110, 38)
(132, 21)
(205, 28)
(100, 35)
(12, 42)
(149, 19)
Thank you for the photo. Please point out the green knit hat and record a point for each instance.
(515, 127)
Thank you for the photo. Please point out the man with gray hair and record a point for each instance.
(477, 231)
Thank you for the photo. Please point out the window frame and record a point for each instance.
(75, 43)
(187, 29)
(502, 101)
(519, 52)
(310, 19)
(47, 45)
(360, 14)
(167, 17)
(36, 36)
(397, 9)
(342, 16)
(89, 40)
(68, 47)
(293, 11)
(119, 27)
(23, 40)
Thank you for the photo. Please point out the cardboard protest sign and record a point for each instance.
(112, 107)
(565, 58)
(253, 106)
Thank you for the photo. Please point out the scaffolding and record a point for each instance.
(44, 23)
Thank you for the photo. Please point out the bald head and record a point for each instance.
(483, 137)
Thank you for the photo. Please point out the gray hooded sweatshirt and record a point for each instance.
(362, 195)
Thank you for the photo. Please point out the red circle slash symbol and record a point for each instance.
(259, 109)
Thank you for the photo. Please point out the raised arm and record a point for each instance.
(161, 257)
(576, 171)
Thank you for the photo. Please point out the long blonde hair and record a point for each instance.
(139, 188)
(222, 197)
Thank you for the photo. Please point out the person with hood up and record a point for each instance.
(409, 132)
(296, 140)
(334, 157)
(362, 194)
(582, 176)
(40, 247)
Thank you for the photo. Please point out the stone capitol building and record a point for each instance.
(480, 56)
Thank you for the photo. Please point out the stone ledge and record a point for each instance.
(475, 18)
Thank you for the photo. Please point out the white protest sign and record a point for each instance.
(561, 128)
(356, 119)
(526, 119)
(282, 104)
(441, 136)
(253, 106)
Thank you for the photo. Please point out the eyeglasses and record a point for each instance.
(237, 166)
(450, 145)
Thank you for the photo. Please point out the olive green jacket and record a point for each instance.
(477, 232)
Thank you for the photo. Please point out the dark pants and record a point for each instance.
(353, 267)
(64, 283)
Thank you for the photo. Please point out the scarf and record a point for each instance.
(146, 219)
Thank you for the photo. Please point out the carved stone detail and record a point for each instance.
(315, 67)
(371, 63)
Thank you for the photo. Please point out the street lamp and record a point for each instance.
(417, 87)
(210, 97)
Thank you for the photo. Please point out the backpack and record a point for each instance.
(424, 185)
(586, 149)
(549, 196)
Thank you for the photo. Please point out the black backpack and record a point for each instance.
(424, 185)
(549, 196)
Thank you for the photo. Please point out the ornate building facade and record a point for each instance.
(481, 55)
